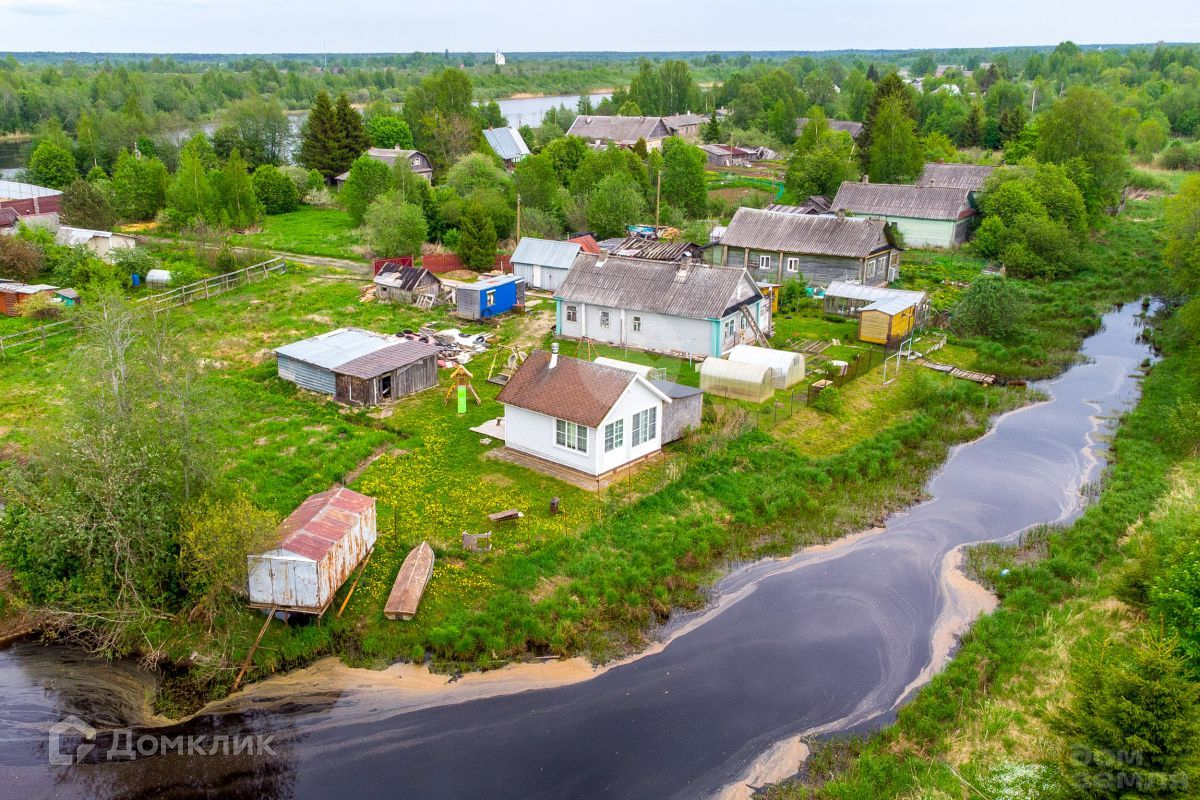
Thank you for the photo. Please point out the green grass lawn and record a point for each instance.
(307, 231)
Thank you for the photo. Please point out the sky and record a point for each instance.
(390, 26)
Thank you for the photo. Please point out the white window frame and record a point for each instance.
(614, 435)
(645, 426)
(793, 264)
(604, 319)
(489, 298)
(730, 329)
(764, 262)
(570, 436)
(572, 313)
(637, 324)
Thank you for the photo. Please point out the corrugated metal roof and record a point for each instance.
(956, 176)
(848, 125)
(902, 200)
(587, 243)
(788, 232)
(506, 143)
(890, 307)
(321, 521)
(76, 236)
(681, 290)
(25, 288)
(405, 278)
(8, 217)
(618, 129)
(486, 282)
(332, 350)
(545, 252)
(15, 190)
(856, 291)
(575, 390)
(390, 358)
(656, 250)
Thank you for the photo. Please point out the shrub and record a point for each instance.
(828, 401)
(992, 306)
(19, 260)
(393, 227)
(275, 190)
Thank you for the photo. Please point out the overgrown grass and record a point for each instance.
(309, 231)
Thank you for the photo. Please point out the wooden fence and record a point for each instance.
(439, 263)
(209, 287)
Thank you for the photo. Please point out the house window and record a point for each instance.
(764, 262)
(603, 319)
(490, 299)
(614, 435)
(416, 162)
(637, 324)
(572, 313)
(570, 435)
(645, 426)
(793, 265)
(729, 329)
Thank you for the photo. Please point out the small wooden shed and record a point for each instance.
(359, 367)
(887, 321)
(788, 367)
(320, 544)
(404, 284)
(685, 411)
(736, 380)
(13, 294)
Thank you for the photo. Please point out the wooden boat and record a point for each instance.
(410, 583)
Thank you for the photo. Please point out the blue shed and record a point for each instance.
(490, 296)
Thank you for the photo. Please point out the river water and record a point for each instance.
(832, 639)
(14, 153)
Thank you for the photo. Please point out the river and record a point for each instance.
(830, 640)
(14, 153)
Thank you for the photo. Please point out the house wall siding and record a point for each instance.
(658, 331)
(533, 433)
(636, 398)
(925, 232)
(539, 277)
(306, 375)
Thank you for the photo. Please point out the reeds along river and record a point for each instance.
(832, 639)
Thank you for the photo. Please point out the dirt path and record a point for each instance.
(359, 267)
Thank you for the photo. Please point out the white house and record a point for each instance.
(543, 263)
(588, 417)
(101, 243)
(685, 307)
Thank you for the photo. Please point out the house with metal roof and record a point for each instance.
(543, 263)
(970, 177)
(727, 155)
(506, 143)
(101, 243)
(622, 131)
(359, 367)
(776, 246)
(590, 418)
(418, 162)
(319, 545)
(685, 126)
(685, 308)
(925, 216)
(30, 200)
(846, 125)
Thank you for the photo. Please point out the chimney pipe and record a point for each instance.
(866, 179)
(841, 212)
(553, 355)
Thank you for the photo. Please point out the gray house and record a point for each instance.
(508, 144)
(776, 246)
(359, 367)
(970, 177)
(685, 308)
(543, 263)
(686, 126)
(848, 125)
(926, 216)
(418, 162)
(623, 131)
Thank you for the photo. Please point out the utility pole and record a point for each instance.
(518, 218)
(658, 198)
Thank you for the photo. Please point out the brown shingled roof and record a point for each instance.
(577, 391)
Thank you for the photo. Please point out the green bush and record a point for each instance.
(828, 401)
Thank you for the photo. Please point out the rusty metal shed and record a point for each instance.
(320, 544)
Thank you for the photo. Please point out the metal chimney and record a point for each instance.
(553, 355)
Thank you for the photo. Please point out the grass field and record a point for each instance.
(307, 231)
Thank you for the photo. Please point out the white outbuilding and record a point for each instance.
(788, 367)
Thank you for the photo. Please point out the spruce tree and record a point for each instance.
(320, 138)
(712, 130)
(352, 138)
(972, 129)
(477, 239)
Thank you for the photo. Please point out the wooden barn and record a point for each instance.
(887, 322)
(13, 294)
(777, 246)
(320, 544)
(407, 285)
(358, 367)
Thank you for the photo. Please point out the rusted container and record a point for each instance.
(320, 544)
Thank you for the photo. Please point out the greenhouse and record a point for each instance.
(788, 367)
(737, 381)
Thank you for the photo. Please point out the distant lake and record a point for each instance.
(14, 155)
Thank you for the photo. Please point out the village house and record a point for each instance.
(777, 246)
(924, 216)
(101, 243)
(587, 417)
(685, 126)
(507, 144)
(621, 131)
(359, 367)
(686, 308)
(397, 283)
(847, 125)
(968, 177)
(543, 263)
(656, 249)
(727, 155)
(418, 162)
